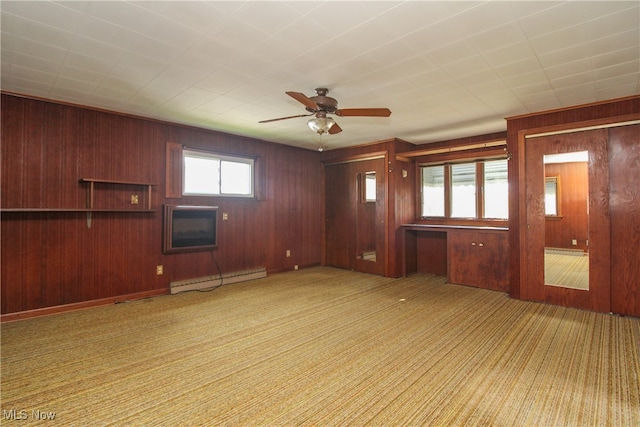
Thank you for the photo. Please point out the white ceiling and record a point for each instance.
(446, 69)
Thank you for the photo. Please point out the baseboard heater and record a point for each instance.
(208, 282)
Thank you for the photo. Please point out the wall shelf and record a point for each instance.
(53, 210)
(91, 193)
(90, 207)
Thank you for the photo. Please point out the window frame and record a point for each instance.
(479, 185)
(219, 157)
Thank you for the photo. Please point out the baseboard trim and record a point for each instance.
(46, 311)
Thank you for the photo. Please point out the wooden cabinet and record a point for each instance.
(479, 258)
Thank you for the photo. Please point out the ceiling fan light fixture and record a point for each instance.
(321, 125)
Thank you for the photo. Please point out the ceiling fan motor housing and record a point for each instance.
(326, 103)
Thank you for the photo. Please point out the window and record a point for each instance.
(496, 189)
(370, 187)
(433, 191)
(210, 174)
(463, 190)
(452, 191)
(551, 196)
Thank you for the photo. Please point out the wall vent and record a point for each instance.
(213, 281)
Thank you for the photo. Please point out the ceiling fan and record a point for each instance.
(321, 105)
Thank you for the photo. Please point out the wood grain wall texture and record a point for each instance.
(624, 206)
(623, 158)
(54, 258)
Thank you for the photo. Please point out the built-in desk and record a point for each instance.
(468, 255)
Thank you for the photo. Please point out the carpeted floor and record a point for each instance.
(567, 269)
(325, 347)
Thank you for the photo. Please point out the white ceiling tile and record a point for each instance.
(340, 16)
(268, 17)
(466, 66)
(90, 47)
(615, 92)
(558, 40)
(570, 80)
(498, 37)
(123, 14)
(42, 33)
(113, 89)
(434, 36)
(564, 56)
(533, 77)
(451, 53)
(553, 19)
(568, 69)
(34, 74)
(107, 32)
(512, 71)
(412, 15)
(509, 54)
(622, 70)
(618, 57)
(200, 16)
(82, 86)
(483, 16)
(623, 14)
(48, 13)
(220, 104)
(625, 40)
(302, 35)
(90, 63)
(445, 68)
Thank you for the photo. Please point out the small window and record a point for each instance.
(210, 174)
(370, 187)
(551, 196)
(432, 191)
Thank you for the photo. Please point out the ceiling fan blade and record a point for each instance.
(303, 99)
(285, 118)
(335, 129)
(364, 112)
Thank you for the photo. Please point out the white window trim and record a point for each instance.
(218, 157)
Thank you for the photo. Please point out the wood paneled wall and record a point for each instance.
(53, 258)
(623, 163)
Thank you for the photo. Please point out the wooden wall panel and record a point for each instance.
(54, 258)
(624, 200)
(432, 252)
(340, 229)
(606, 112)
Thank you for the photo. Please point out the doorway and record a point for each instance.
(354, 234)
(567, 243)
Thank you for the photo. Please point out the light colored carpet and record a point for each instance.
(566, 269)
(326, 347)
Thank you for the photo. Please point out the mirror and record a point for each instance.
(366, 217)
(566, 254)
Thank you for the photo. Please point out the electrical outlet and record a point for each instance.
(225, 216)
(574, 242)
(288, 253)
(159, 270)
(134, 199)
